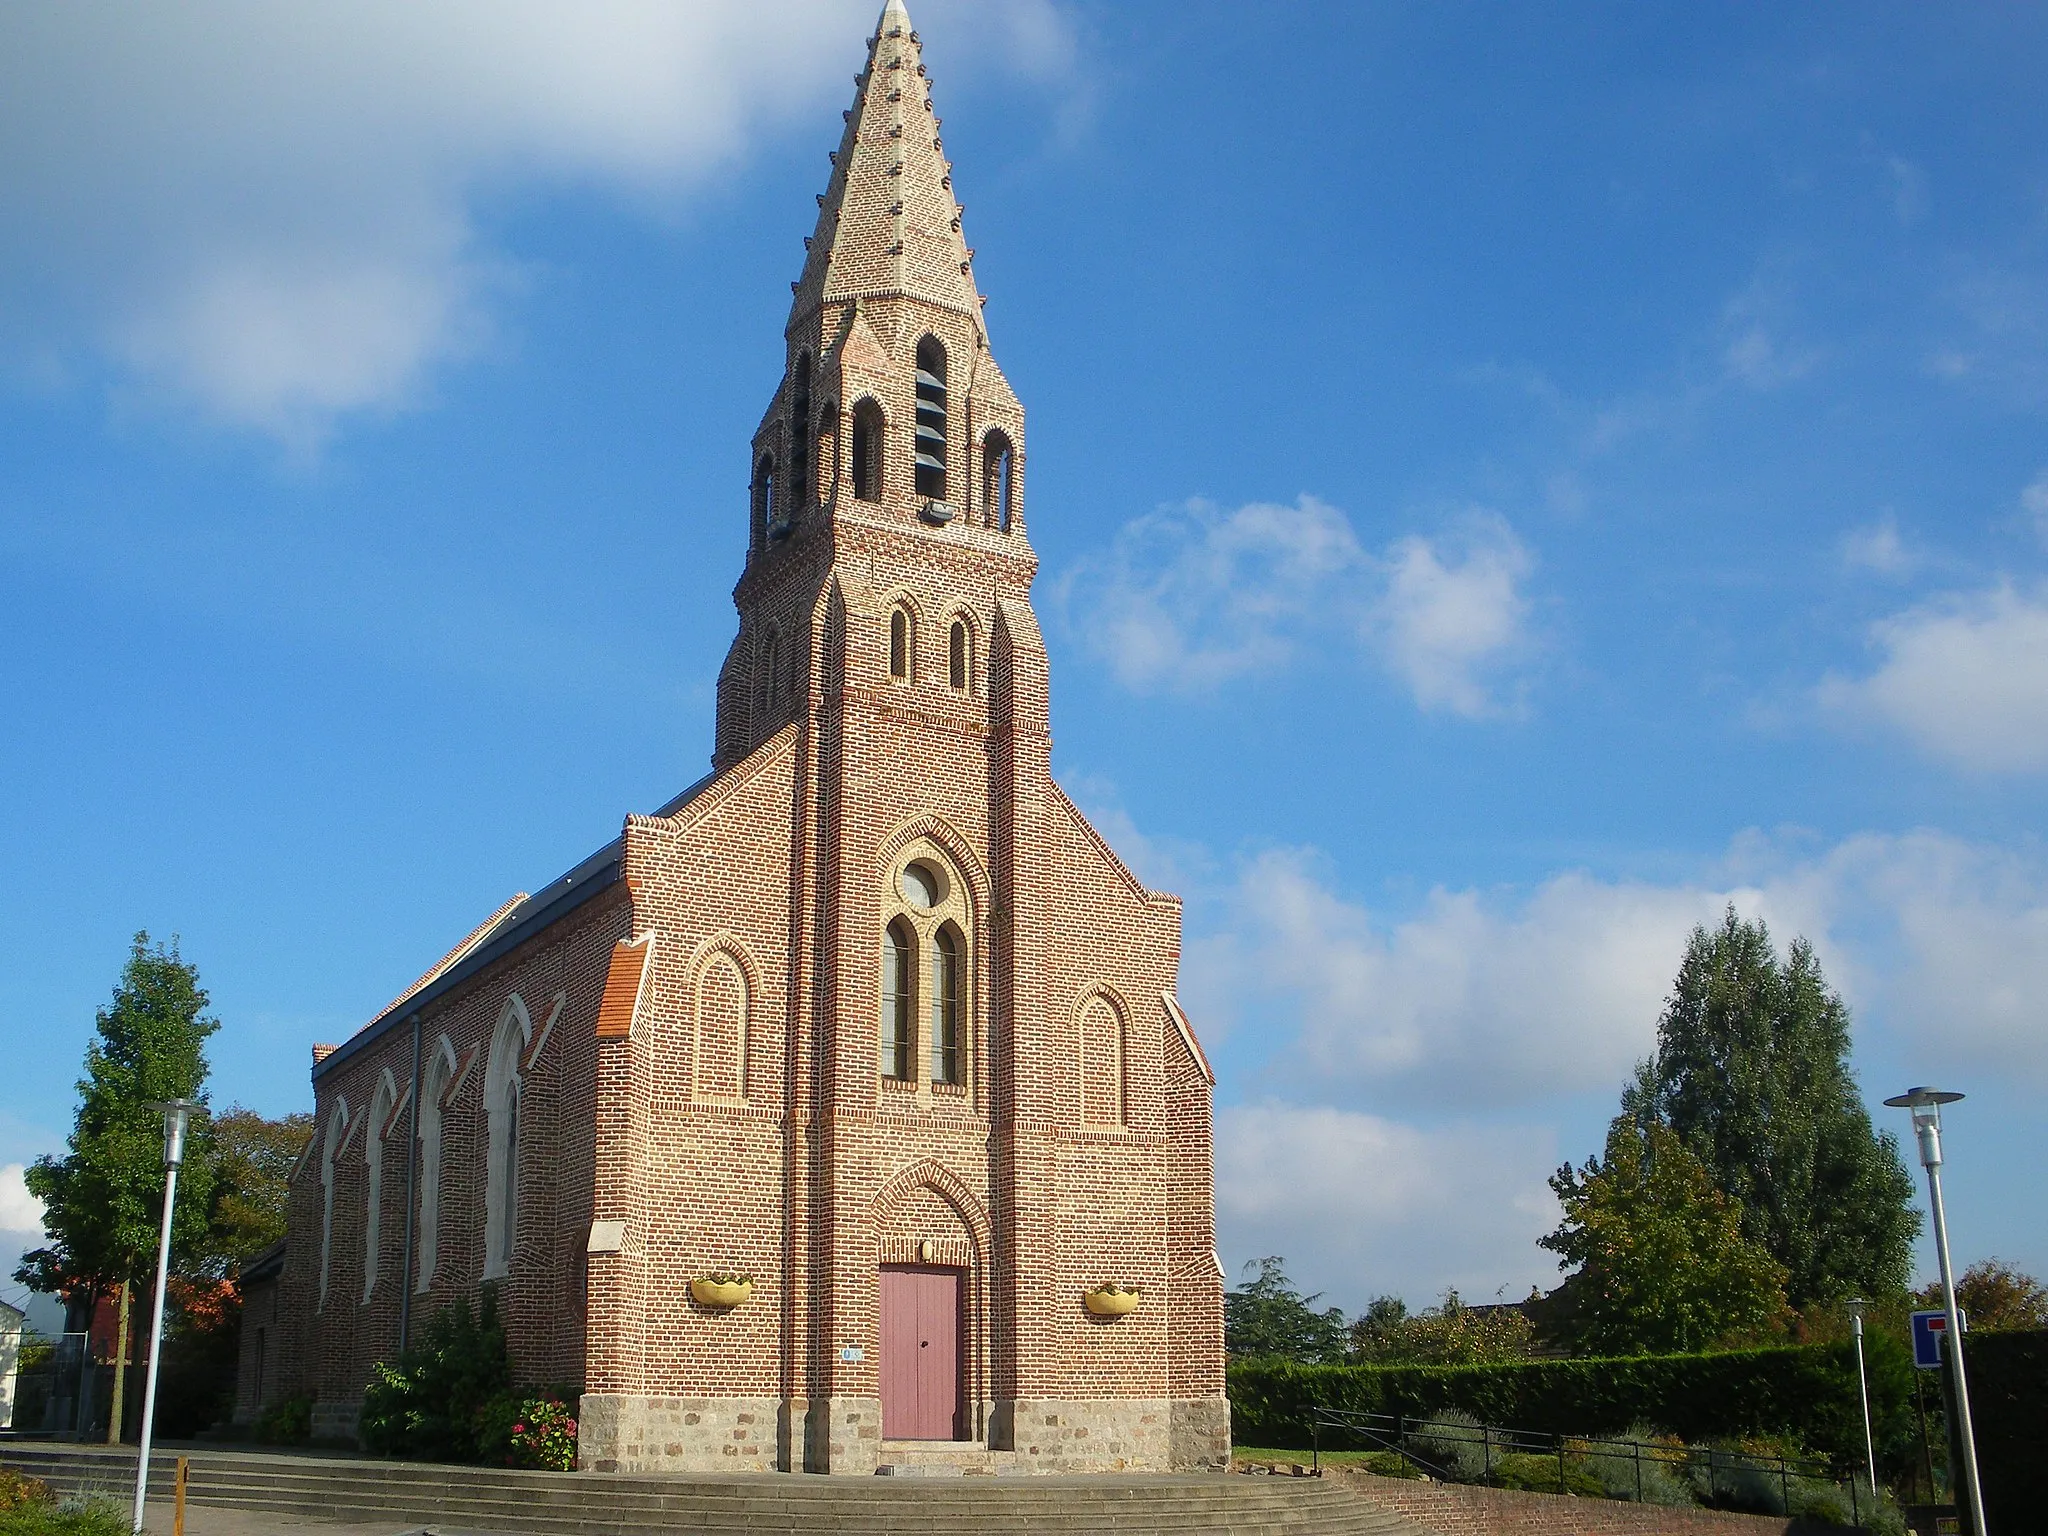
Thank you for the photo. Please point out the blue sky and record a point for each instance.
(1508, 483)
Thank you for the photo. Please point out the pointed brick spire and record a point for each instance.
(888, 223)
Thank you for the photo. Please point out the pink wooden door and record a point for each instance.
(920, 1353)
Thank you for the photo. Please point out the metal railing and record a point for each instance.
(1724, 1470)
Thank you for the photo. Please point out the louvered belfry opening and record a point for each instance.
(800, 434)
(931, 419)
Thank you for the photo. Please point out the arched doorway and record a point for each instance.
(923, 1334)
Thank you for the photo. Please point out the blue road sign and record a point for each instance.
(1928, 1327)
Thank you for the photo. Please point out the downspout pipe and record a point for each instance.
(412, 1176)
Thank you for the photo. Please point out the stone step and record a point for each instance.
(484, 1499)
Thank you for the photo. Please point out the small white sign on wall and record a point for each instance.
(852, 1353)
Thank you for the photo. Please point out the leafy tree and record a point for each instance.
(1269, 1317)
(1450, 1333)
(1997, 1297)
(1663, 1265)
(103, 1200)
(1752, 1072)
(252, 1162)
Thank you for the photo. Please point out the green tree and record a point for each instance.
(1269, 1317)
(1996, 1297)
(252, 1164)
(1662, 1263)
(1752, 1071)
(1450, 1333)
(103, 1199)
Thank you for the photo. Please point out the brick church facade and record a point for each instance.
(869, 1025)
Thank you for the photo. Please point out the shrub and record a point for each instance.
(72, 1517)
(1809, 1391)
(289, 1422)
(433, 1403)
(1454, 1444)
(1655, 1476)
(17, 1491)
(543, 1436)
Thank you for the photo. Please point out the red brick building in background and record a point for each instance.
(871, 1016)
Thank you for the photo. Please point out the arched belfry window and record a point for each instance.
(945, 1005)
(902, 643)
(931, 419)
(765, 509)
(800, 434)
(998, 480)
(868, 429)
(899, 968)
(960, 657)
(827, 455)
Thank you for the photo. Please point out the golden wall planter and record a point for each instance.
(716, 1291)
(1111, 1301)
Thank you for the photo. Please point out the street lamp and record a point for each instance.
(177, 1116)
(1863, 1390)
(1925, 1103)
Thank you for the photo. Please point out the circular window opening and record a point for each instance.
(920, 886)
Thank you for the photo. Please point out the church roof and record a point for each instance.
(888, 223)
(515, 923)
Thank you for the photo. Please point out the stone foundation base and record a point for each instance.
(843, 1435)
(336, 1423)
(1104, 1434)
(1200, 1434)
(616, 1433)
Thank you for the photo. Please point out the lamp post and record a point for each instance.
(1925, 1104)
(1863, 1390)
(177, 1116)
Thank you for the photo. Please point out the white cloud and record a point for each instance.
(1355, 1202)
(2034, 502)
(1443, 624)
(20, 1211)
(1515, 997)
(1964, 676)
(1878, 548)
(1194, 597)
(272, 211)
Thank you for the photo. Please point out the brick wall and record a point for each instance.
(731, 1115)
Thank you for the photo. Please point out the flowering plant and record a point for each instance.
(543, 1436)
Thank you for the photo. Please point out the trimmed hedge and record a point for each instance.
(2009, 1411)
(1807, 1393)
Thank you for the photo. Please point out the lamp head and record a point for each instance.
(177, 1117)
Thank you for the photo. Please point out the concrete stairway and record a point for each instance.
(413, 1494)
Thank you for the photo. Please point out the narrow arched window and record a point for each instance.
(899, 967)
(945, 1005)
(827, 457)
(800, 435)
(509, 1174)
(900, 637)
(381, 1105)
(771, 670)
(998, 480)
(931, 419)
(337, 1134)
(960, 657)
(765, 509)
(439, 1075)
(867, 451)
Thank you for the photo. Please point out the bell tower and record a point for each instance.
(893, 446)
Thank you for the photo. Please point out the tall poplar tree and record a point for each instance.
(1752, 1071)
(103, 1199)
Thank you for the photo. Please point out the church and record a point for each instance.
(840, 1115)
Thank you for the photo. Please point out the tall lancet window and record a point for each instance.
(867, 451)
(503, 1091)
(998, 476)
(800, 435)
(931, 419)
(765, 509)
(899, 967)
(945, 1002)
